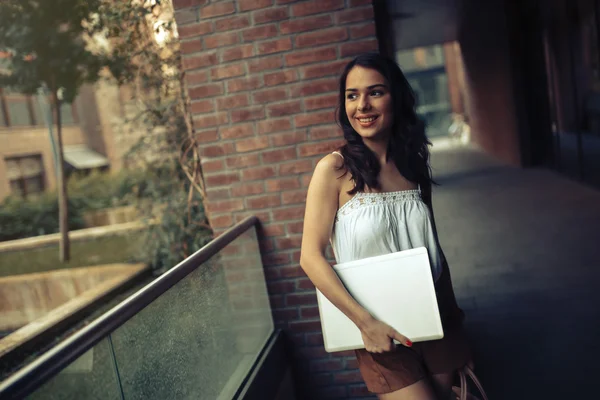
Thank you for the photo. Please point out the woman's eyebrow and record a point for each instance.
(368, 87)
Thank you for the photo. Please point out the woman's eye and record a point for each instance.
(351, 96)
(376, 93)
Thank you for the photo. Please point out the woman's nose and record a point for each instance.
(363, 104)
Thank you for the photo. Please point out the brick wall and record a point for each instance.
(262, 76)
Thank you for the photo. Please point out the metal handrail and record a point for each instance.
(32, 376)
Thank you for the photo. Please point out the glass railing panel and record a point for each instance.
(91, 376)
(200, 338)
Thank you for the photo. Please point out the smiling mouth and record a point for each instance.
(366, 122)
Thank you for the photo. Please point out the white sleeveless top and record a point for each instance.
(373, 224)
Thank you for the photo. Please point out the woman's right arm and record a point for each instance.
(321, 208)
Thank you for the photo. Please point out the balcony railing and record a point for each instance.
(202, 330)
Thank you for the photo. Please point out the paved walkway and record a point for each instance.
(524, 252)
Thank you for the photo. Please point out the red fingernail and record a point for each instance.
(408, 343)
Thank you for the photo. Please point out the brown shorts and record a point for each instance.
(388, 372)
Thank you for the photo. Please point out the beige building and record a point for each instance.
(91, 137)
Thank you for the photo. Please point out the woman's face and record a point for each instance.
(368, 103)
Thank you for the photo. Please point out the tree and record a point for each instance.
(46, 41)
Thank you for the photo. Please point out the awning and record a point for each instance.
(82, 157)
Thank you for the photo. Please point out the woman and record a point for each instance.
(373, 197)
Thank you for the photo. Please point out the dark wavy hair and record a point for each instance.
(408, 145)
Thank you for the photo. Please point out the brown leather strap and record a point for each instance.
(463, 383)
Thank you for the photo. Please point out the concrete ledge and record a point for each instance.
(80, 234)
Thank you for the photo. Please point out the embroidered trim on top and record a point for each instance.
(371, 199)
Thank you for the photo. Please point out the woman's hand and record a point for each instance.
(378, 337)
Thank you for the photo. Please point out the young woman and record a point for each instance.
(373, 197)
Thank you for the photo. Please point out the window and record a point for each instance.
(25, 175)
(21, 110)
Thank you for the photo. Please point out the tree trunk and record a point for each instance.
(63, 216)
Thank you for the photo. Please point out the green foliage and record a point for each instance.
(47, 46)
(38, 216)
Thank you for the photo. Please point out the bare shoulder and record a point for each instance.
(331, 164)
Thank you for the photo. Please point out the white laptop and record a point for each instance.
(395, 288)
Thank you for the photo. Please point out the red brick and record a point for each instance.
(271, 200)
(325, 36)
(247, 5)
(243, 160)
(294, 197)
(220, 40)
(347, 377)
(263, 216)
(296, 256)
(191, 46)
(310, 88)
(295, 227)
(266, 245)
(355, 15)
(236, 131)
(310, 56)
(305, 326)
(357, 32)
(306, 284)
(217, 9)
(277, 78)
(264, 64)
(273, 125)
(304, 24)
(228, 71)
(358, 390)
(274, 230)
(326, 101)
(216, 150)
(277, 301)
(225, 178)
(288, 213)
(186, 16)
(305, 180)
(247, 114)
(235, 101)
(188, 3)
(200, 61)
(208, 120)
(280, 109)
(197, 29)
(334, 392)
(247, 189)
(273, 260)
(285, 314)
(209, 135)
(218, 194)
(312, 149)
(243, 84)
(316, 7)
(325, 132)
(221, 206)
(316, 118)
(260, 32)
(278, 155)
(286, 243)
(315, 339)
(281, 184)
(251, 144)
(274, 46)
(291, 272)
(208, 90)
(317, 71)
(237, 53)
(269, 95)
(221, 221)
(202, 106)
(354, 48)
(270, 15)
(196, 77)
(286, 139)
(232, 23)
(325, 365)
(212, 166)
(285, 1)
(261, 173)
